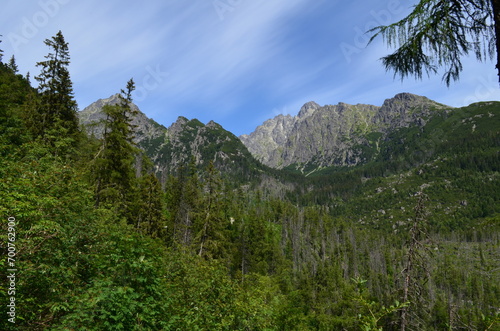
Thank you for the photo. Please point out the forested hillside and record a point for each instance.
(92, 239)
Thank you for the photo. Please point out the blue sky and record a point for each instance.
(237, 62)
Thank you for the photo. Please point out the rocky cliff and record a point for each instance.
(185, 140)
(340, 135)
(146, 129)
(317, 137)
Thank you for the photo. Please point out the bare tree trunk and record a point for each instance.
(407, 281)
(186, 230)
(203, 236)
(415, 261)
(496, 17)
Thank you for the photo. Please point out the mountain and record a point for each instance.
(184, 141)
(340, 135)
(266, 142)
(147, 129)
(453, 158)
(188, 140)
(337, 145)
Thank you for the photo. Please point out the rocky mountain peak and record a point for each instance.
(175, 128)
(91, 118)
(308, 109)
(407, 99)
(213, 125)
(334, 135)
(341, 107)
(181, 120)
(183, 140)
(405, 109)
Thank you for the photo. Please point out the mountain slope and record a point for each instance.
(147, 129)
(340, 135)
(454, 159)
(185, 140)
(266, 142)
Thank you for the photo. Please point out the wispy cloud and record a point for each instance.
(216, 54)
(239, 66)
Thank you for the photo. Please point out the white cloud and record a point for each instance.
(262, 57)
(227, 51)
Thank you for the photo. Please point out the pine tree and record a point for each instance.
(1, 52)
(113, 168)
(439, 33)
(53, 117)
(211, 236)
(13, 65)
(150, 211)
(184, 203)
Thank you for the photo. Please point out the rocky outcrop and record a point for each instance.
(183, 141)
(319, 136)
(146, 129)
(267, 141)
(337, 135)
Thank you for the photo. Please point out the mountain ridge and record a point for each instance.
(183, 142)
(315, 138)
(328, 135)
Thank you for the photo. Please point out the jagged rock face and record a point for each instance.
(334, 135)
(188, 139)
(267, 141)
(147, 130)
(404, 110)
(176, 146)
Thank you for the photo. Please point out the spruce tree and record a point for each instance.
(53, 116)
(1, 52)
(439, 33)
(13, 65)
(184, 203)
(113, 168)
(211, 232)
(149, 205)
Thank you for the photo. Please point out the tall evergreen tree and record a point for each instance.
(14, 90)
(1, 52)
(439, 33)
(53, 116)
(149, 207)
(13, 65)
(210, 227)
(113, 167)
(184, 202)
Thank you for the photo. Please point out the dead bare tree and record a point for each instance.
(416, 271)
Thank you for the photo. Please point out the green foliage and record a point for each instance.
(50, 204)
(113, 166)
(210, 227)
(183, 204)
(269, 250)
(14, 92)
(203, 295)
(128, 289)
(370, 312)
(149, 207)
(52, 116)
(437, 34)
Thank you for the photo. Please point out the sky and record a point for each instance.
(237, 62)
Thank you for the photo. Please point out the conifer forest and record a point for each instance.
(95, 237)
